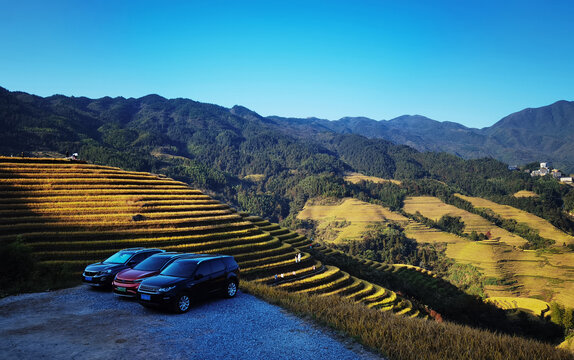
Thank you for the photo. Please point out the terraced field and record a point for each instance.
(357, 215)
(525, 193)
(329, 280)
(535, 306)
(72, 214)
(543, 275)
(354, 177)
(424, 234)
(544, 228)
(433, 208)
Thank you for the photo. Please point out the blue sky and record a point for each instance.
(472, 62)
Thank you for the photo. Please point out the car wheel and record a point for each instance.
(182, 303)
(231, 289)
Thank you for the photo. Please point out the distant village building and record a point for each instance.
(567, 180)
(557, 174)
(513, 167)
(545, 170)
(540, 172)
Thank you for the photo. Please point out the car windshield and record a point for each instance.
(152, 263)
(180, 269)
(119, 258)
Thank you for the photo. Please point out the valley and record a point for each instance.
(507, 270)
(68, 214)
(375, 222)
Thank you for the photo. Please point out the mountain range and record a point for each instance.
(529, 135)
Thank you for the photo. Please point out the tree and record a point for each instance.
(568, 319)
(452, 224)
(556, 313)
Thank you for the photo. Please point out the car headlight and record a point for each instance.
(104, 272)
(166, 289)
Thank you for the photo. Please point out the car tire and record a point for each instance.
(182, 304)
(231, 289)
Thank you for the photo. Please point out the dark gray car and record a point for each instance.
(188, 278)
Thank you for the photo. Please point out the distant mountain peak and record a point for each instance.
(245, 113)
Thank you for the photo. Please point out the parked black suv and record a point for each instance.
(103, 273)
(188, 278)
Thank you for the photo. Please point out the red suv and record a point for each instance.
(127, 282)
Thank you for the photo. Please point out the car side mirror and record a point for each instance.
(131, 263)
(198, 276)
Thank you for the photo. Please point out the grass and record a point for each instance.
(403, 338)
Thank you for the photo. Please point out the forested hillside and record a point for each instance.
(530, 135)
(262, 165)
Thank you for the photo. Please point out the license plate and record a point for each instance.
(88, 278)
(122, 289)
(146, 297)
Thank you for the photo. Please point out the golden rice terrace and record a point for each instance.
(72, 214)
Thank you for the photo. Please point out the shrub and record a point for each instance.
(16, 266)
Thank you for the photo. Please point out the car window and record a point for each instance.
(180, 268)
(119, 258)
(230, 262)
(204, 268)
(152, 263)
(140, 257)
(217, 266)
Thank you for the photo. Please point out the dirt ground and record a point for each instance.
(82, 323)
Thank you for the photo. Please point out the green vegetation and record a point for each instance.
(562, 316)
(467, 278)
(16, 266)
(388, 244)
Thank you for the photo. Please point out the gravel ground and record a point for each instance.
(82, 323)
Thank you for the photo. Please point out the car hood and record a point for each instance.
(131, 274)
(103, 267)
(163, 281)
